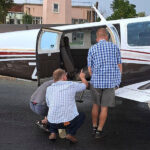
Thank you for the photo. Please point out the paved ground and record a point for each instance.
(128, 125)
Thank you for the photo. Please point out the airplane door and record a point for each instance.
(114, 34)
(47, 53)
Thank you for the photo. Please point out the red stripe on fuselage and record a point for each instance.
(16, 53)
(135, 59)
(134, 51)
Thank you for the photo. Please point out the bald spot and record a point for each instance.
(101, 33)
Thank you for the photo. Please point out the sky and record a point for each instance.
(104, 5)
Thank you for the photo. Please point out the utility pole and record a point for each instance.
(95, 12)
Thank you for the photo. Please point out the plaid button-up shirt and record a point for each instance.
(103, 58)
(60, 98)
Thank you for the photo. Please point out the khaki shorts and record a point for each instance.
(103, 97)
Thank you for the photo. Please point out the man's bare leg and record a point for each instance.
(95, 112)
(102, 117)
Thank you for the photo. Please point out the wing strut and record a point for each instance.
(99, 14)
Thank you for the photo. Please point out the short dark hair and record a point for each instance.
(58, 73)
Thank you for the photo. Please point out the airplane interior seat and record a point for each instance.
(67, 46)
(68, 60)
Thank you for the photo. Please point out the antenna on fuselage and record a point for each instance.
(99, 14)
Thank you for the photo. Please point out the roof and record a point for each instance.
(28, 1)
(81, 6)
(32, 4)
(16, 8)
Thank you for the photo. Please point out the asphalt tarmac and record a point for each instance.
(127, 127)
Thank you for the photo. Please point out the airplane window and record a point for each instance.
(139, 34)
(77, 38)
(48, 41)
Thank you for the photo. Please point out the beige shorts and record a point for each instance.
(103, 97)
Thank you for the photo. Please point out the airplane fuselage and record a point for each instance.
(19, 59)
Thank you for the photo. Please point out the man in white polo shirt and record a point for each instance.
(60, 98)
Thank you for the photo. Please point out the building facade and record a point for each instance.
(15, 15)
(50, 12)
(35, 10)
(57, 12)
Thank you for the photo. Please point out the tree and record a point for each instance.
(122, 9)
(141, 14)
(5, 5)
(27, 19)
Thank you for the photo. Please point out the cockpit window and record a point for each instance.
(139, 34)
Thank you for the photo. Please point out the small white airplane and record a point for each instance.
(35, 54)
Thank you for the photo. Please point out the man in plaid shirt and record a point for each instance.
(104, 65)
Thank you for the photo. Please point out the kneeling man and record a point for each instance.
(60, 98)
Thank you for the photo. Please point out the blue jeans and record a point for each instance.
(39, 109)
(72, 128)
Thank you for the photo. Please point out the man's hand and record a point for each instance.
(82, 77)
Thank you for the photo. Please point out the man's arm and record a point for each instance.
(82, 77)
(39, 95)
(120, 67)
(46, 98)
(89, 62)
(90, 70)
(119, 62)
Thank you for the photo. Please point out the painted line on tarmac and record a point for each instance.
(7, 77)
(13, 78)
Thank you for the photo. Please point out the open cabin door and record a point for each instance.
(47, 53)
(114, 34)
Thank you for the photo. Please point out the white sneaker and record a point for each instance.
(62, 133)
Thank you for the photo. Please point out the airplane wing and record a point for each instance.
(137, 92)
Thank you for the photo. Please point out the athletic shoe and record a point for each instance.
(94, 130)
(99, 134)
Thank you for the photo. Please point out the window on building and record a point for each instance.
(14, 18)
(28, 10)
(81, 20)
(78, 21)
(11, 21)
(74, 21)
(55, 8)
(139, 34)
(37, 20)
(18, 21)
